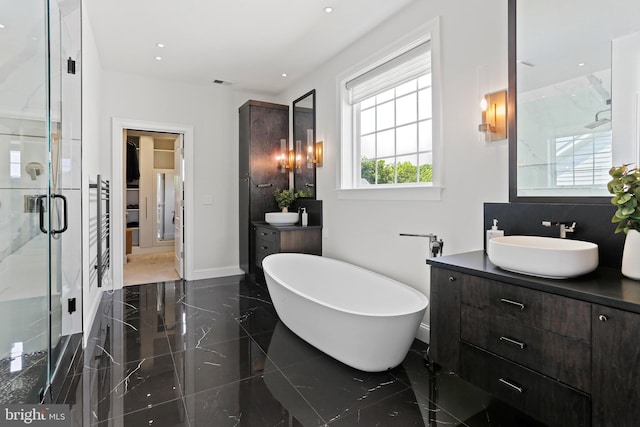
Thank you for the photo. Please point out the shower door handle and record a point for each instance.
(41, 212)
(65, 222)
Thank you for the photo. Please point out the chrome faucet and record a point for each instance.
(565, 227)
(435, 246)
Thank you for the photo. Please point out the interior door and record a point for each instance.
(178, 176)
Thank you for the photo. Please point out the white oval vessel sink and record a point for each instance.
(281, 218)
(543, 256)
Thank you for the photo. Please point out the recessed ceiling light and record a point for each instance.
(581, 64)
(284, 74)
(160, 44)
(158, 58)
(328, 9)
(1, 26)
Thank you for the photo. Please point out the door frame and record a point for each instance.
(117, 194)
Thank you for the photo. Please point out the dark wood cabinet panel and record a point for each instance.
(271, 240)
(616, 367)
(564, 316)
(565, 359)
(545, 399)
(445, 318)
(262, 126)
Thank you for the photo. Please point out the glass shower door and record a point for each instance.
(39, 177)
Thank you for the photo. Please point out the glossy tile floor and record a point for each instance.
(214, 353)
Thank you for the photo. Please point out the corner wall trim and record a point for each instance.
(423, 333)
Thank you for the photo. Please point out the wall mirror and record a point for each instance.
(165, 212)
(574, 84)
(304, 138)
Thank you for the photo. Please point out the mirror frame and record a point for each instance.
(303, 154)
(512, 128)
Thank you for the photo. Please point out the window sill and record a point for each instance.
(391, 193)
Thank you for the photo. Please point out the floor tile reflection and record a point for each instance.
(214, 353)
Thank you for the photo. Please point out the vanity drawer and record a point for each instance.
(543, 398)
(267, 235)
(565, 359)
(564, 316)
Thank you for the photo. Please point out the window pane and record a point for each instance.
(424, 104)
(407, 169)
(386, 171)
(385, 119)
(369, 102)
(367, 171)
(406, 88)
(425, 136)
(407, 139)
(406, 109)
(386, 144)
(424, 81)
(368, 121)
(385, 96)
(368, 146)
(425, 167)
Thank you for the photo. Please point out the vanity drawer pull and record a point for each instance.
(264, 247)
(512, 341)
(264, 234)
(508, 301)
(603, 318)
(513, 386)
(452, 279)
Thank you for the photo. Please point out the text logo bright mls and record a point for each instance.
(36, 415)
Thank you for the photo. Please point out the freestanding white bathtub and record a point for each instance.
(363, 319)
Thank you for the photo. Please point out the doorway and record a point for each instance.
(151, 238)
(152, 200)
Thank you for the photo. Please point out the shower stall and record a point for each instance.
(40, 193)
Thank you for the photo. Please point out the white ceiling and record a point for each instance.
(247, 42)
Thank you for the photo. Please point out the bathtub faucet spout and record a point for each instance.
(435, 246)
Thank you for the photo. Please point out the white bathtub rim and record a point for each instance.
(424, 299)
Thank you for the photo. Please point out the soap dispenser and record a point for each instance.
(305, 217)
(494, 232)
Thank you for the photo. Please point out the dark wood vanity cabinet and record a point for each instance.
(564, 361)
(270, 240)
(262, 126)
(616, 367)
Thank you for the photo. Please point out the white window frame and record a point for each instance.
(349, 173)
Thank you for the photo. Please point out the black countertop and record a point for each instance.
(603, 286)
(285, 227)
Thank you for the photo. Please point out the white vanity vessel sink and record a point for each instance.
(281, 218)
(543, 256)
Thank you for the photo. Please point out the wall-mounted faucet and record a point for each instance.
(435, 246)
(565, 227)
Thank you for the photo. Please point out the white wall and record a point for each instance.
(91, 164)
(213, 113)
(473, 35)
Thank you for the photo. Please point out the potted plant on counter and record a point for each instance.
(625, 187)
(284, 198)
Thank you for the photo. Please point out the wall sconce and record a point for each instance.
(314, 151)
(298, 156)
(494, 116)
(284, 157)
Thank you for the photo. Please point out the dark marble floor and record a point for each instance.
(214, 353)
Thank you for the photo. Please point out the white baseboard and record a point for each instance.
(210, 273)
(423, 333)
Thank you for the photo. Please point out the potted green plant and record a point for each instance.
(625, 187)
(284, 198)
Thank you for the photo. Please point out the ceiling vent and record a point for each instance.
(221, 82)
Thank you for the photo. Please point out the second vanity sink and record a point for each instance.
(543, 256)
(281, 218)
